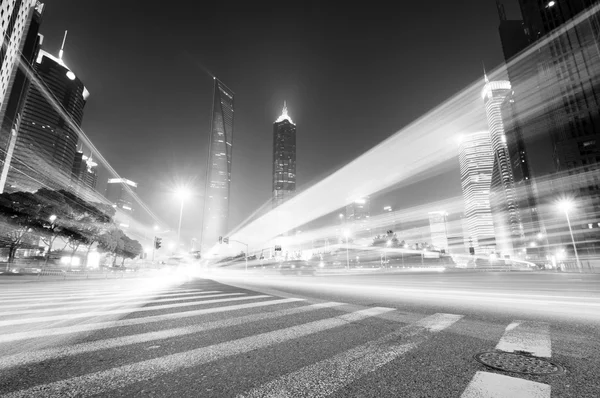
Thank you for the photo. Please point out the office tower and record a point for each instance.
(358, 214)
(119, 193)
(218, 177)
(84, 170)
(476, 164)
(439, 230)
(503, 196)
(555, 85)
(46, 141)
(284, 158)
(20, 44)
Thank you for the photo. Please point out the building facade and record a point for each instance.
(46, 142)
(85, 171)
(476, 162)
(358, 214)
(439, 230)
(20, 44)
(119, 191)
(284, 158)
(218, 179)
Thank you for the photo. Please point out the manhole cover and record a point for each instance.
(518, 363)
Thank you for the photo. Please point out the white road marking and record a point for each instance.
(90, 327)
(24, 295)
(41, 302)
(113, 379)
(493, 385)
(328, 376)
(97, 304)
(527, 336)
(91, 314)
(31, 357)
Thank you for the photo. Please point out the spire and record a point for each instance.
(485, 74)
(60, 53)
(284, 114)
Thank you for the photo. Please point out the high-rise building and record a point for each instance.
(218, 177)
(555, 96)
(358, 213)
(47, 138)
(118, 192)
(20, 45)
(476, 164)
(84, 170)
(503, 196)
(284, 158)
(439, 230)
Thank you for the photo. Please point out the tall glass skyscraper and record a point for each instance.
(476, 164)
(284, 158)
(439, 229)
(218, 176)
(503, 196)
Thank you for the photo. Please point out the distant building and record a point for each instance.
(284, 158)
(476, 164)
(358, 214)
(118, 192)
(218, 179)
(18, 34)
(439, 230)
(504, 202)
(85, 170)
(46, 142)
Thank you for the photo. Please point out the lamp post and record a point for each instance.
(347, 234)
(183, 193)
(565, 205)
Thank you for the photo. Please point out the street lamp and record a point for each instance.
(52, 218)
(182, 193)
(347, 234)
(566, 205)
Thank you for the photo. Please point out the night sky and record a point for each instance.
(352, 75)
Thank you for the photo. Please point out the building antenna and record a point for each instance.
(484, 73)
(60, 53)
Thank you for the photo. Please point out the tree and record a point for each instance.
(19, 213)
(131, 248)
(111, 242)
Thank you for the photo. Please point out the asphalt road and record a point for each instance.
(234, 335)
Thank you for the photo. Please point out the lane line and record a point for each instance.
(494, 385)
(93, 298)
(330, 375)
(32, 357)
(116, 378)
(527, 336)
(92, 327)
(64, 295)
(90, 314)
(140, 300)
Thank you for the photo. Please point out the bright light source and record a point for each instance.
(565, 205)
(389, 243)
(156, 227)
(341, 215)
(93, 260)
(183, 193)
(551, 4)
(346, 233)
(52, 218)
(532, 244)
(71, 75)
(540, 235)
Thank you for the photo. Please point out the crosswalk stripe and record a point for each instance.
(26, 358)
(328, 376)
(83, 294)
(493, 385)
(32, 334)
(527, 336)
(140, 300)
(90, 314)
(122, 376)
(46, 302)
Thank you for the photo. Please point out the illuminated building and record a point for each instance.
(439, 230)
(84, 170)
(218, 178)
(476, 164)
(358, 213)
(46, 142)
(118, 192)
(503, 196)
(19, 34)
(284, 158)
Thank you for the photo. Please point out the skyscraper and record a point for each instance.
(118, 193)
(358, 213)
(46, 141)
(284, 158)
(20, 45)
(218, 176)
(84, 170)
(503, 196)
(476, 164)
(439, 230)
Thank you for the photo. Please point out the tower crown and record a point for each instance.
(284, 115)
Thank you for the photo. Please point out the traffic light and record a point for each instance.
(277, 248)
(472, 250)
(220, 239)
(157, 242)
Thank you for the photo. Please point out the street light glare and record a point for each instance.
(183, 193)
(346, 233)
(565, 205)
(52, 218)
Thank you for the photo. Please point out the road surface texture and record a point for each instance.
(235, 335)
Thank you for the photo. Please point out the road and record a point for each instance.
(240, 335)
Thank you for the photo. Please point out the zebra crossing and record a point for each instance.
(119, 342)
